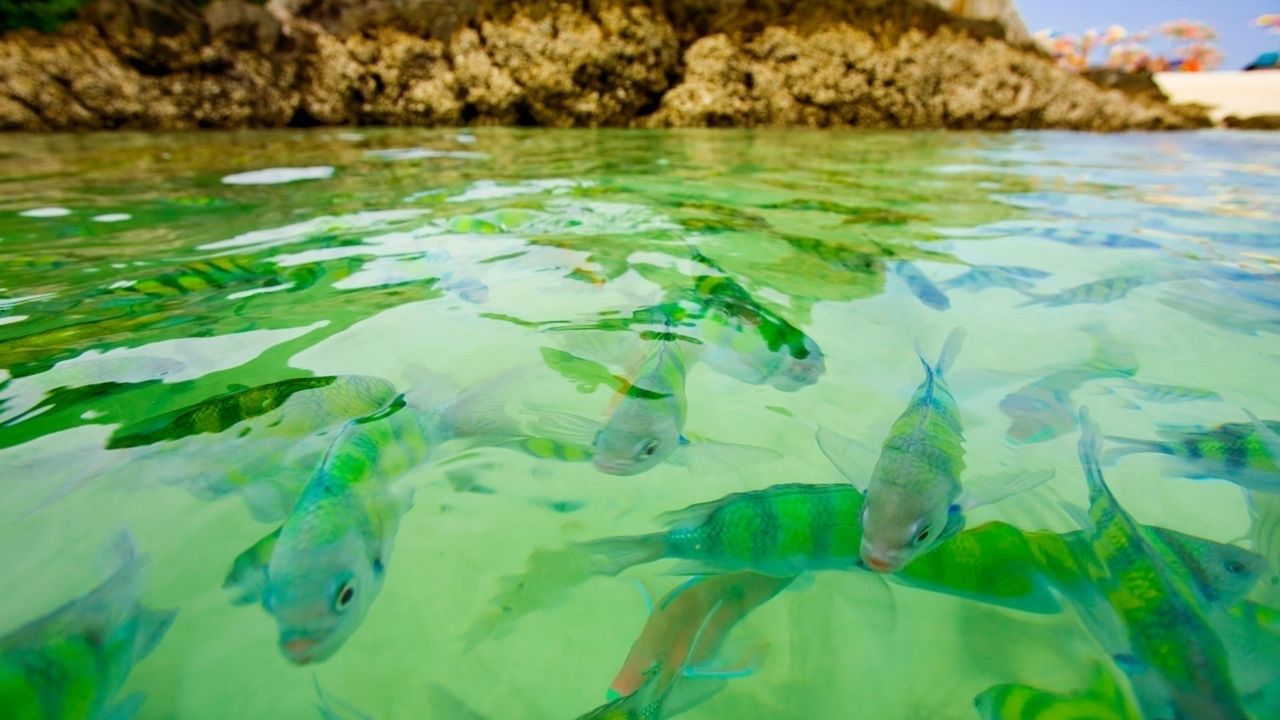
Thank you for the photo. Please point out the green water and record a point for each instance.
(144, 274)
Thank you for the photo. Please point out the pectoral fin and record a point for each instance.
(710, 457)
(247, 580)
(853, 459)
(989, 489)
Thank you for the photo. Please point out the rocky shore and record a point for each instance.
(168, 64)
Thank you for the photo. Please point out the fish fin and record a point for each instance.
(247, 579)
(152, 626)
(675, 592)
(335, 708)
(990, 489)
(694, 567)
(126, 708)
(1269, 437)
(736, 660)
(468, 289)
(481, 409)
(711, 457)
(1123, 446)
(611, 556)
(1109, 356)
(1078, 515)
(689, 693)
(853, 459)
(1088, 448)
(588, 374)
(950, 349)
(566, 427)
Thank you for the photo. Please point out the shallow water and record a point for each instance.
(144, 274)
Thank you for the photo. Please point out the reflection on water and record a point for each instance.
(634, 424)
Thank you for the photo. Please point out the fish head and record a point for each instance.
(320, 593)
(900, 522)
(1224, 572)
(638, 435)
(797, 372)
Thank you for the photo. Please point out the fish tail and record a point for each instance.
(1089, 447)
(613, 555)
(1130, 446)
(947, 356)
(481, 409)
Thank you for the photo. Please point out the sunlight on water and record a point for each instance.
(356, 424)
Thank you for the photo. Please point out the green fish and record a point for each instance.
(1103, 699)
(1160, 611)
(328, 561)
(1247, 454)
(914, 495)
(71, 663)
(1100, 291)
(1264, 534)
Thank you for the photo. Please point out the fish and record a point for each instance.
(913, 496)
(711, 604)
(1237, 452)
(745, 340)
(1096, 292)
(548, 577)
(646, 423)
(1264, 536)
(73, 661)
(983, 277)
(330, 557)
(922, 287)
(1154, 392)
(1102, 699)
(1043, 409)
(1160, 611)
(1092, 238)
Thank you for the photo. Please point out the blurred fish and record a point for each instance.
(329, 560)
(1161, 612)
(697, 615)
(72, 662)
(1153, 392)
(922, 287)
(982, 277)
(1099, 291)
(548, 577)
(1103, 699)
(1092, 238)
(1242, 453)
(1042, 409)
(746, 340)
(1264, 534)
(1208, 304)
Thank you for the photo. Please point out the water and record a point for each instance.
(144, 274)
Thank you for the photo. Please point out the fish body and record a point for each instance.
(1093, 238)
(983, 277)
(1160, 611)
(912, 494)
(1096, 292)
(1237, 452)
(1153, 392)
(922, 287)
(747, 341)
(647, 421)
(1103, 699)
(71, 663)
(330, 559)
(703, 609)
(1264, 534)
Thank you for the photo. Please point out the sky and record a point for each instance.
(1241, 40)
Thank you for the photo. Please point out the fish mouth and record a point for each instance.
(880, 563)
(302, 649)
(614, 467)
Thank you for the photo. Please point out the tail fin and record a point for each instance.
(950, 349)
(481, 409)
(613, 555)
(1088, 448)
(1130, 446)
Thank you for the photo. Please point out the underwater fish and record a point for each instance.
(72, 662)
(1099, 291)
(922, 287)
(1160, 611)
(982, 277)
(1241, 453)
(1043, 409)
(1103, 699)
(548, 577)
(1092, 238)
(746, 340)
(700, 612)
(1264, 535)
(1153, 392)
(914, 494)
(330, 557)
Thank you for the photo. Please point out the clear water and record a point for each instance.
(414, 256)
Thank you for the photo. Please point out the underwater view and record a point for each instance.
(743, 424)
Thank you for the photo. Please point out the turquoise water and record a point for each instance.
(190, 324)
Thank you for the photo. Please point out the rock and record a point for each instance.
(813, 63)
(1255, 122)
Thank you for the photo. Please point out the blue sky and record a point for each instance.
(1241, 41)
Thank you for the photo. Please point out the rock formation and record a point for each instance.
(166, 64)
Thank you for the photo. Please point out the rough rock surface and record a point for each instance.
(867, 63)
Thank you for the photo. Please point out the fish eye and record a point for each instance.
(650, 448)
(345, 595)
(923, 535)
(1235, 567)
